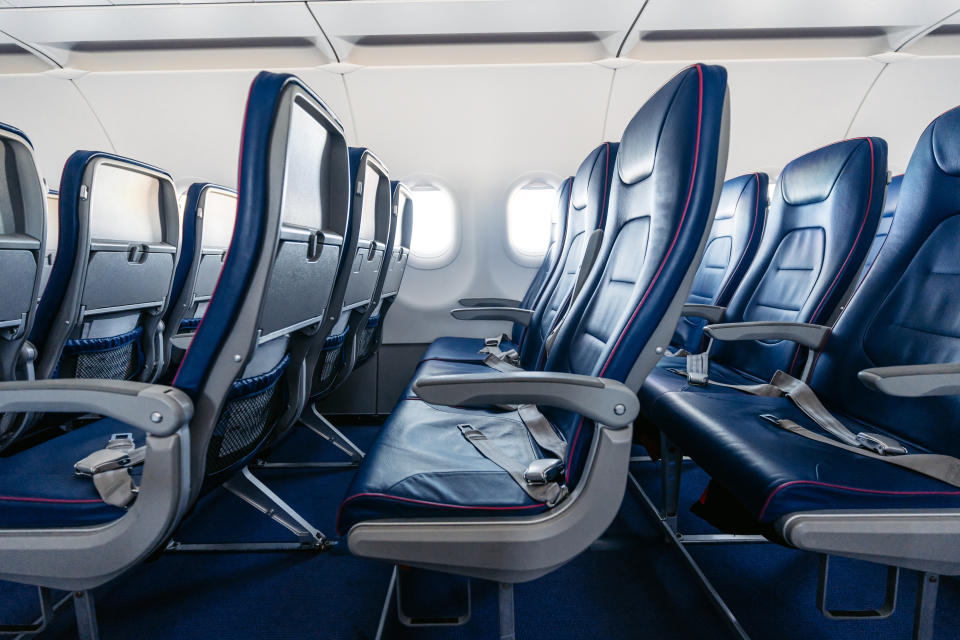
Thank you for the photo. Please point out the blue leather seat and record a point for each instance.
(886, 219)
(905, 312)
(239, 400)
(733, 243)
(100, 312)
(588, 201)
(821, 222)
(422, 467)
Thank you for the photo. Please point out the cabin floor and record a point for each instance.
(630, 584)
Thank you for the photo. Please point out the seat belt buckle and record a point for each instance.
(879, 443)
(492, 342)
(543, 471)
(122, 441)
(102, 460)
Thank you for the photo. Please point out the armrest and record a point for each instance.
(489, 302)
(808, 335)
(914, 381)
(708, 312)
(510, 314)
(153, 408)
(607, 401)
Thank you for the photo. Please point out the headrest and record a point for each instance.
(563, 202)
(374, 223)
(811, 177)
(638, 147)
(594, 164)
(730, 195)
(944, 140)
(893, 196)
(404, 215)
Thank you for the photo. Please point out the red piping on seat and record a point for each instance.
(856, 489)
(53, 500)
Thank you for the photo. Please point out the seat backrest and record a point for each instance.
(370, 336)
(822, 218)
(244, 368)
(558, 229)
(589, 198)
(110, 283)
(209, 213)
(667, 181)
(907, 310)
(886, 219)
(362, 277)
(731, 247)
(22, 239)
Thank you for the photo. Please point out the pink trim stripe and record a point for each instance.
(52, 500)
(853, 489)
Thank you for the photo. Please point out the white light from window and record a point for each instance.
(434, 223)
(530, 210)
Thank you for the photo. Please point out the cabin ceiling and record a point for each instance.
(469, 87)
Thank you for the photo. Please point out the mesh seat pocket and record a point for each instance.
(331, 360)
(115, 358)
(369, 339)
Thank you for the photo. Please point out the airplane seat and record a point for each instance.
(733, 243)
(208, 218)
(585, 213)
(100, 313)
(890, 368)
(216, 413)
(821, 222)
(370, 338)
(52, 235)
(886, 219)
(363, 275)
(22, 247)
(466, 490)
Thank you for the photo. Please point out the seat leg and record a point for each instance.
(314, 420)
(672, 468)
(925, 612)
(505, 597)
(251, 490)
(86, 613)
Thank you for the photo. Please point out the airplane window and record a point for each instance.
(435, 232)
(530, 211)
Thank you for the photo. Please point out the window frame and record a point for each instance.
(417, 183)
(516, 255)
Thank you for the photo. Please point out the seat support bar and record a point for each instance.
(507, 619)
(925, 612)
(86, 614)
(316, 422)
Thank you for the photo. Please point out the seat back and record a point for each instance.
(208, 217)
(822, 218)
(558, 229)
(907, 310)
(370, 336)
(244, 368)
(22, 239)
(110, 284)
(731, 247)
(362, 277)
(886, 219)
(589, 198)
(666, 184)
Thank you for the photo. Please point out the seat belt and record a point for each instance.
(541, 479)
(110, 469)
(492, 349)
(946, 469)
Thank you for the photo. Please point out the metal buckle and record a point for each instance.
(543, 471)
(102, 460)
(121, 441)
(879, 443)
(491, 342)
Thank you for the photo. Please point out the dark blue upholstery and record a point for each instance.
(886, 219)
(906, 312)
(821, 222)
(660, 206)
(588, 202)
(731, 247)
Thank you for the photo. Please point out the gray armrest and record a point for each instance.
(808, 335)
(914, 381)
(489, 302)
(510, 314)
(153, 408)
(607, 401)
(710, 313)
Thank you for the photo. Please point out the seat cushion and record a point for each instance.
(460, 349)
(38, 487)
(422, 467)
(774, 472)
(662, 380)
(443, 368)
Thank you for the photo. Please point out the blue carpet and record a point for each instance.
(628, 585)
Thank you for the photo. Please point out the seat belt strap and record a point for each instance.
(109, 468)
(500, 365)
(698, 368)
(541, 489)
(946, 469)
(542, 431)
(492, 348)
